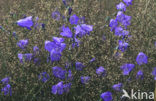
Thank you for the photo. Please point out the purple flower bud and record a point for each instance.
(69, 10)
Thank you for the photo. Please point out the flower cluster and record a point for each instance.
(120, 23)
(6, 90)
(60, 88)
(58, 44)
(27, 57)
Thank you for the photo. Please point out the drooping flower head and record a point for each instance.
(101, 71)
(107, 96)
(6, 90)
(85, 79)
(59, 72)
(141, 58)
(79, 66)
(44, 76)
(139, 74)
(26, 22)
(74, 19)
(117, 87)
(127, 68)
(22, 43)
(121, 6)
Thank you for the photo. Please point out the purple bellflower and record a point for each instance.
(107, 96)
(142, 58)
(22, 43)
(25, 22)
(127, 68)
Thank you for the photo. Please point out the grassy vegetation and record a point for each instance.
(100, 44)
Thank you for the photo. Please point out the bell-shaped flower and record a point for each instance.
(26, 22)
(22, 43)
(74, 19)
(101, 71)
(142, 58)
(106, 96)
